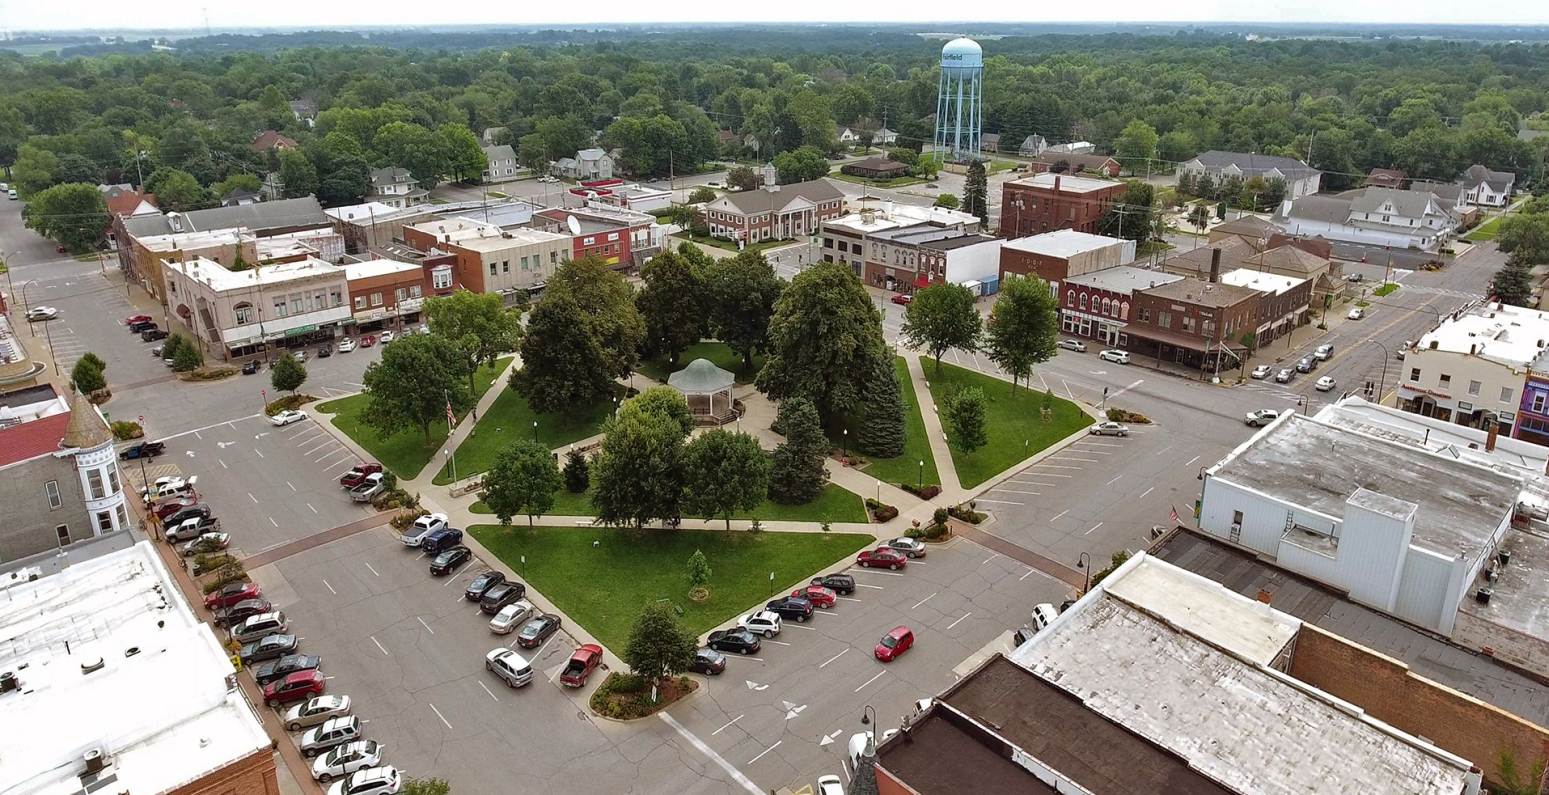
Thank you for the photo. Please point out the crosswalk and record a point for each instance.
(1426, 290)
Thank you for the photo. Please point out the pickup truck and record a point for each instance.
(369, 488)
(581, 665)
(422, 527)
(193, 528)
(358, 474)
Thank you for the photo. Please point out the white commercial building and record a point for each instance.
(110, 684)
(1470, 369)
(235, 311)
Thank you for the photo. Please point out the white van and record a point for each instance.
(1043, 614)
(165, 487)
(12, 194)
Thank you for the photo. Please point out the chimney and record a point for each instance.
(1056, 183)
(1215, 265)
(1489, 441)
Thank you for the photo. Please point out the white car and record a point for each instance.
(1284, 376)
(1115, 356)
(1261, 417)
(1072, 345)
(1356, 314)
(1324, 384)
(287, 417)
(763, 622)
(300, 355)
(510, 617)
(1262, 371)
(830, 785)
(422, 527)
(346, 345)
(857, 744)
(316, 710)
(1323, 352)
(42, 313)
(347, 759)
(1108, 429)
(385, 337)
(369, 781)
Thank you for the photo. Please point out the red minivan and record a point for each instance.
(897, 641)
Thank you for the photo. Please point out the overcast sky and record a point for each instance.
(98, 14)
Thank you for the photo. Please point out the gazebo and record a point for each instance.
(707, 389)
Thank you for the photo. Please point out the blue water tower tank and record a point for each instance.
(960, 101)
(962, 54)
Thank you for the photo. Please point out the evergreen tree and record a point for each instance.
(964, 411)
(976, 193)
(881, 432)
(797, 475)
(187, 357)
(577, 472)
(1513, 284)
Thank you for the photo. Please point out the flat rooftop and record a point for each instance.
(1262, 281)
(1318, 467)
(121, 611)
(1243, 724)
(1124, 279)
(1449, 439)
(1519, 600)
(514, 238)
(1062, 243)
(179, 240)
(1203, 293)
(1510, 335)
(378, 267)
(457, 228)
(503, 215)
(220, 279)
(1069, 183)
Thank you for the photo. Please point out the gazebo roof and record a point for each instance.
(700, 377)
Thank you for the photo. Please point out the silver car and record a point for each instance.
(333, 732)
(1108, 428)
(913, 547)
(510, 666)
(347, 759)
(316, 710)
(510, 617)
(1262, 371)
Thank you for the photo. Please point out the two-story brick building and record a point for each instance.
(1192, 322)
(1097, 305)
(384, 291)
(1056, 256)
(1283, 303)
(511, 262)
(621, 238)
(885, 243)
(1047, 202)
(778, 212)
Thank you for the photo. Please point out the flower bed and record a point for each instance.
(628, 697)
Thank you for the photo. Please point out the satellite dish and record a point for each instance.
(575, 226)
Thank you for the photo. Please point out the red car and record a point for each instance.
(133, 319)
(581, 665)
(902, 298)
(897, 641)
(882, 557)
(171, 505)
(295, 687)
(817, 595)
(367, 341)
(358, 474)
(231, 593)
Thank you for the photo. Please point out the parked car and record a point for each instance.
(1261, 417)
(841, 583)
(40, 313)
(315, 711)
(794, 607)
(386, 337)
(142, 450)
(346, 345)
(1283, 377)
(144, 325)
(1306, 364)
(169, 486)
(1355, 277)
(422, 527)
(902, 299)
(231, 594)
(708, 661)
(251, 366)
(1261, 372)
(1324, 384)
(537, 630)
(440, 540)
(818, 595)
(287, 417)
(205, 544)
(1323, 352)
(501, 595)
(296, 687)
(367, 341)
(449, 559)
(510, 617)
(153, 335)
(883, 558)
(268, 648)
(285, 666)
(1072, 345)
(1108, 428)
(738, 640)
(911, 547)
(1115, 356)
(133, 319)
(897, 641)
(240, 611)
(367, 490)
(332, 733)
(1356, 313)
(509, 665)
(177, 511)
(830, 785)
(761, 622)
(383, 780)
(582, 662)
(301, 356)
(357, 474)
(346, 759)
(324, 351)
(192, 528)
(481, 584)
(262, 625)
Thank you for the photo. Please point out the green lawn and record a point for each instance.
(1386, 289)
(1014, 423)
(510, 419)
(717, 352)
(605, 587)
(834, 504)
(905, 468)
(731, 245)
(407, 451)
(1485, 231)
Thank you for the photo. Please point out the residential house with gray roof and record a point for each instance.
(1300, 179)
(500, 163)
(1372, 216)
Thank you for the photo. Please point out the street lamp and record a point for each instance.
(452, 461)
(845, 445)
(535, 430)
(1085, 564)
(865, 780)
(922, 474)
(1382, 383)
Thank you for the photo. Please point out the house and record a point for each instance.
(617, 193)
(61, 482)
(1385, 178)
(883, 242)
(1485, 188)
(305, 111)
(1096, 304)
(989, 142)
(780, 212)
(124, 201)
(884, 137)
(1371, 216)
(500, 163)
(1058, 255)
(1471, 368)
(395, 187)
(1047, 202)
(876, 168)
(1243, 227)
(726, 140)
(239, 312)
(272, 141)
(1300, 179)
(240, 197)
(1073, 148)
(1033, 146)
(1073, 163)
(588, 164)
(1269, 255)
(844, 136)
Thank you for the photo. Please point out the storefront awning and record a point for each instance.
(1181, 340)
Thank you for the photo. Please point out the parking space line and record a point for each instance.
(373, 571)
(1094, 527)
(1055, 466)
(726, 725)
(1085, 451)
(884, 573)
(797, 626)
(423, 624)
(1099, 444)
(1027, 574)
(1191, 461)
(1076, 458)
(222, 463)
(869, 681)
(765, 751)
(491, 695)
(864, 585)
(251, 497)
(960, 620)
(379, 646)
(330, 588)
(776, 642)
(1014, 491)
(1058, 515)
(926, 599)
(344, 450)
(292, 485)
(1115, 477)
(258, 452)
(1000, 502)
(835, 657)
(1030, 482)
(439, 715)
(1144, 493)
(309, 505)
(850, 598)
(990, 558)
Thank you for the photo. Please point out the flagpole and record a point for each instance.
(451, 425)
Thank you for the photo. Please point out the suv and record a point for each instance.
(763, 622)
(184, 513)
(842, 584)
(1261, 417)
(500, 596)
(1323, 352)
(295, 687)
(1115, 356)
(422, 527)
(797, 607)
(335, 731)
(509, 665)
(255, 627)
(1306, 364)
(441, 540)
(382, 780)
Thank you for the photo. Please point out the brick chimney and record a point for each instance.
(1056, 183)
(1215, 265)
(1489, 441)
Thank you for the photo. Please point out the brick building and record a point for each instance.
(385, 291)
(1192, 322)
(511, 262)
(1046, 202)
(1283, 302)
(621, 238)
(1056, 256)
(778, 213)
(1098, 305)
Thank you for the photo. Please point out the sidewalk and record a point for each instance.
(950, 484)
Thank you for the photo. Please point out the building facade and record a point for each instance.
(1407, 219)
(235, 313)
(1284, 302)
(517, 261)
(1471, 369)
(395, 187)
(1097, 305)
(1300, 179)
(1049, 202)
(622, 239)
(385, 291)
(1072, 163)
(884, 242)
(1056, 256)
(499, 163)
(1193, 323)
(780, 212)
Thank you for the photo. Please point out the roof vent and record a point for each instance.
(91, 665)
(9, 682)
(94, 760)
(204, 742)
(131, 651)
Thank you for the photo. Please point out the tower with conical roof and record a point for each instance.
(89, 442)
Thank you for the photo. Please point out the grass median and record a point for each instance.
(1013, 422)
(604, 587)
(833, 504)
(509, 419)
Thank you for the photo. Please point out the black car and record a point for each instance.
(708, 662)
(448, 561)
(251, 367)
(481, 585)
(324, 351)
(285, 666)
(792, 607)
(537, 630)
(268, 647)
(737, 640)
(153, 335)
(199, 510)
(243, 610)
(144, 325)
(142, 450)
(1306, 365)
(500, 596)
(842, 584)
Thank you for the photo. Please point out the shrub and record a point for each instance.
(407, 518)
(881, 512)
(124, 429)
(915, 532)
(936, 531)
(939, 516)
(1125, 415)
(965, 513)
(207, 373)
(928, 493)
(187, 358)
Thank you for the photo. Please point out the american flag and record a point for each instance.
(451, 419)
(1174, 512)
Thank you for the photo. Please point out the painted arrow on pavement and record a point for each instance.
(828, 739)
(752, 685)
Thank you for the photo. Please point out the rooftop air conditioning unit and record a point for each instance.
(1482, 596)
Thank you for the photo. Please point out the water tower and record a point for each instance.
(960, 100)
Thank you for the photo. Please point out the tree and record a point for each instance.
(797, 475)
(564, 365)
(638, 474)
(1205, 186)
(823, 339)
(1130, 218)
(298, 176)
(1525, 237)
(1022, 328)
(608, 303)
(1513, 284)
(244, 181)
(479, 322)
(672, 302)
(414, 382)
(800, 165)
(35, 170)
(881, 432)
(743, 178)
(577, 473)
(702, 194)
(948, 201)
(176, 189)
(426, 786)
(940, 318)
(724, 472)
(658, 647)
(741, 293)
(87, 374)
(287, 374)
(698, 574)
(187, 357)
(413, 147)
(73, 214)
(522, 480)
(1135, 144)
(170, 348)
(1199, 217)
(976, 193)
(964, 410)
(463, 155)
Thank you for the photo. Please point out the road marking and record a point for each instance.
(1014, 491)
(486, 689)
(1054, 466)
(726, 725)
(990, 558)
(736, 775)
(258, 452)
(777, 642)
(864, 585)
(373, 571)
(869, 681)
(796, 626)
(197, 436)
(1138, 382)
(766, 751)
(1144, 493)
(1000, 502)
(1025, 576)
(271, 521)
(850, 598)
(1094, 527)
(926, 599)
(223, 464)
(1085, 451)
(330, 588)
(825, 663)
(292, 485)
(251, 497)
(1076, 458)
(870, 570)
(427, 626)
(1163, 450)
(439, 715)
(1192, 460)
(1115, 478)
(1058, 515)
(379, 646)
(965, 615)
(1098, 444)
(309, 505)
(1031, 482)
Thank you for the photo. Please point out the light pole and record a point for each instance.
(844, 446)
(865, 780)
(535, 430)
(922, 475)
(1085, 564)
(452, 461)
(1382, 383)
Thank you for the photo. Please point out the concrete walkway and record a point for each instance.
(950, 484)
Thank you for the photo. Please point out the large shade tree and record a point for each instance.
(742, 292)
(942, 317)
(479, 323)
(724, 472)
(638, 472)
(1023, 327)
(414, 383)
(824, 338)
